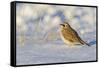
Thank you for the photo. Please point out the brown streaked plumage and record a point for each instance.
(70, 36)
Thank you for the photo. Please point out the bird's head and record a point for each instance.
(65, 25)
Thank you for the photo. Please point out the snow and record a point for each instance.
(54, 53)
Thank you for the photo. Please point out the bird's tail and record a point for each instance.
(83, 42)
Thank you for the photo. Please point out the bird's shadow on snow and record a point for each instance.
(91, 43)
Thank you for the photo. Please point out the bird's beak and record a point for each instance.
(62, 24)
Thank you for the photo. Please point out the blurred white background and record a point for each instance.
(5, 33)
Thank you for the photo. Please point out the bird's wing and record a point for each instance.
(71, 35)
(77, 36)
(81, 41)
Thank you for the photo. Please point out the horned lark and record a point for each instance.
(70, 36)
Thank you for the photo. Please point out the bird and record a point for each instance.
(70, 36)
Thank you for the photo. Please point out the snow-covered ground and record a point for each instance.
(54, 53)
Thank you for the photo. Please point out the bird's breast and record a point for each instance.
(64, 39)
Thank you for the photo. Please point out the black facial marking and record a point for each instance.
(62, 25)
